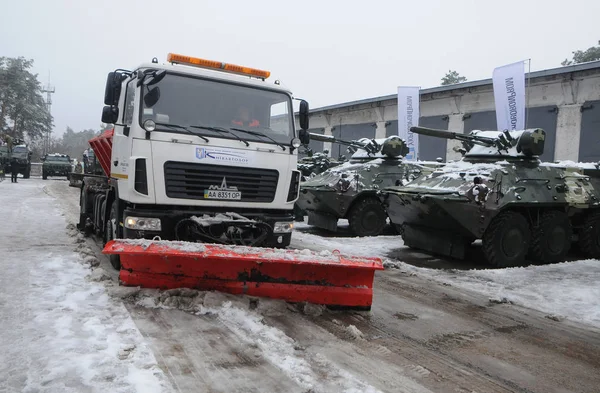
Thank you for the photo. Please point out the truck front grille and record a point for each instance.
(187, 180)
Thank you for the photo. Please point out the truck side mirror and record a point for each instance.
(112, 90)
(110, 114)
(303, 115)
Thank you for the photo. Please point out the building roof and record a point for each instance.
(465, 85)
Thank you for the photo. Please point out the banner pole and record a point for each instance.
(527, 93)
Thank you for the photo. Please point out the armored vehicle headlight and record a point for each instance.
(149, 125)
(283, 227)
(296, 143)
(143, 223)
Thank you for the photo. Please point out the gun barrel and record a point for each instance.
(321, 138)
(433, 132)
(332, 139)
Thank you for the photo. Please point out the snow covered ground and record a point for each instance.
(564, 290)
(60, 330)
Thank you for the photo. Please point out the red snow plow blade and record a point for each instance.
(291, 275)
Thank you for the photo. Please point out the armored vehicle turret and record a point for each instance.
(350, 190)
(500, 192)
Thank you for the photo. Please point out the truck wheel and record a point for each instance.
(111, 232)
(367, 217)
(589, 236)
(551, 238)
(44, 175)
(506, 240)
(27, 173)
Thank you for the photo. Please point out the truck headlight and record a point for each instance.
(283, 227)
(143, 223)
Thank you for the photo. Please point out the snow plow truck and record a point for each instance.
(200, 182)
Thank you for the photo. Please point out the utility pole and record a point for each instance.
(49, 90)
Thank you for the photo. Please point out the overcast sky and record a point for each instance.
(325, 51)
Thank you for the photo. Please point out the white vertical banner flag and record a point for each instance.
(408, 116)
(509, 96)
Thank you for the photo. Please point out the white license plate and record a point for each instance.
(231, 195)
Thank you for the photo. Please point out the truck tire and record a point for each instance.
(27, 173)
(551, 238)
(111, 232)
(506, 240)
(44, 175)
(589, 236)
(367, 217)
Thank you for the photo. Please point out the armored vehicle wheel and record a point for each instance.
(551, 238)
(506, 240)
(367, 217)
(589, 236)
(111, 232)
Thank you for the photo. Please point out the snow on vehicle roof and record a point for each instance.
(443, 178)
(573, 164)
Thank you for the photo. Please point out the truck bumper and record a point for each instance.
(170, 218)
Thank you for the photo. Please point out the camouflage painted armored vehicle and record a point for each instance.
(56, 165)
(316, 163)
(501, 193)
(350, 190)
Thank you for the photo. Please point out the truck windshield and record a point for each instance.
(189, 102)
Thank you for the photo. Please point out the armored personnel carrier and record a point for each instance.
(500, 192)
(350, 190)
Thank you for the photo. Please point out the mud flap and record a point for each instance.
(435, 242)
(292, 275)
(324, 221)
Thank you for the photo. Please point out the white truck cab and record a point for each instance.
(201, 151)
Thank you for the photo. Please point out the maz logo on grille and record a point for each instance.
(223, 155)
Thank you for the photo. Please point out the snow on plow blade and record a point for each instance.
(292, 275)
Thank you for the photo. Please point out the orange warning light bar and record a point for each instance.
(217, 65)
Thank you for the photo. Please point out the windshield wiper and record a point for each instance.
(259, 134)
(184, 129)
(222, 130)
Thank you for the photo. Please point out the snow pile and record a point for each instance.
(145, 244)
(563, 290)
